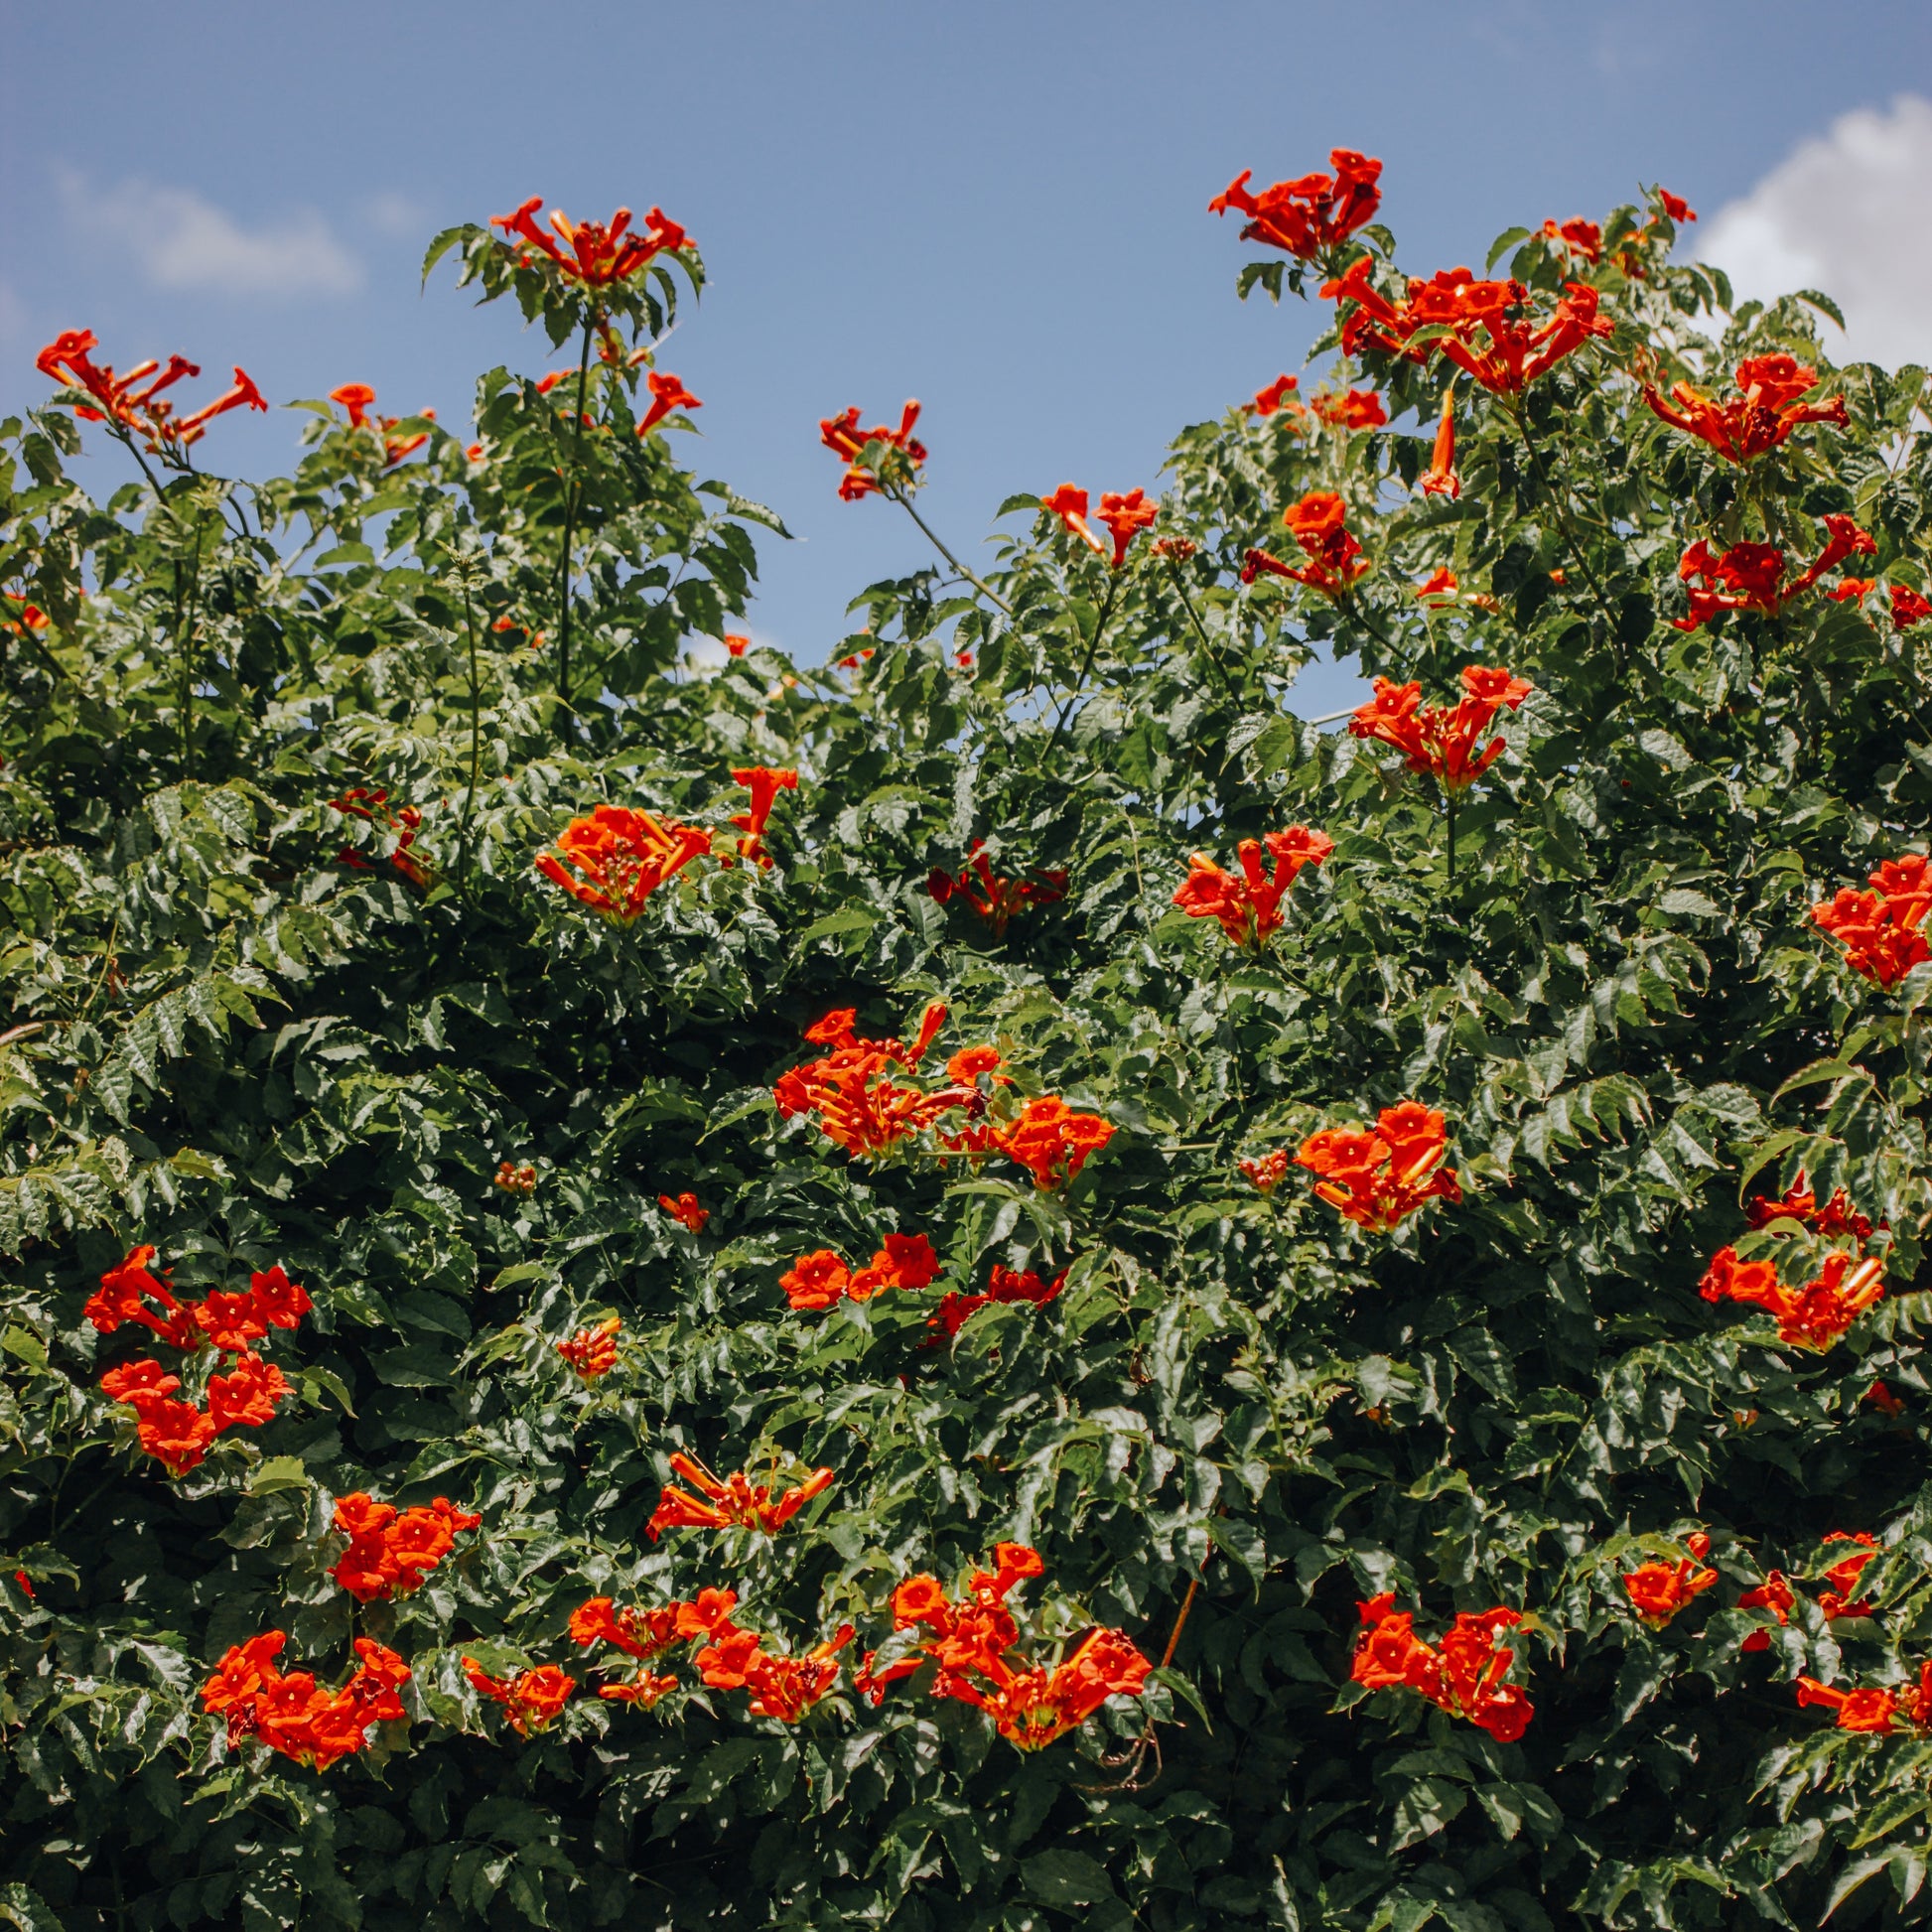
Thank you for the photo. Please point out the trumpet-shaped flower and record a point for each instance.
(1249, 907)
(593, 254)
(1311, 215)
(1442, 740)
(1379, 1176)
(729, 1502)
(617, 858)
(1465, 1675)
(1813, 1315)
(1767, 407)
(895, 457)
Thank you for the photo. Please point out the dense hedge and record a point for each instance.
(288, 990)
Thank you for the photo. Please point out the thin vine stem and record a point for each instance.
(572, 490)
(904, 501)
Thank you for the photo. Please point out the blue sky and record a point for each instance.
(999, 207)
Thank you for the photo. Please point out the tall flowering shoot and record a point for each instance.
(1249, 907)
(132, 405)
(878, 461)
(1443, 741)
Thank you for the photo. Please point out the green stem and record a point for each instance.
(476, 740)
(571, 492)
(1200, 629)
(184, 643)
(1094, 652)
(1577, 552)
(1448, 795)
(904, 502)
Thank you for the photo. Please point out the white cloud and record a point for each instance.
(182, 242)
(399, 215)
(1848, 213)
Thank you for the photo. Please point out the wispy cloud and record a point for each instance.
(1848, 213)
(181, 240)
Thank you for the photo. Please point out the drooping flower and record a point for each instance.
(685, 1211)
(531, 1701)
(1765, 410)
(666, 394)
(391, 1551)
(1378, 1177)
(764, 784)
(1069, 505)
(1465, 1675)
(1879, 929)
(592, 1353)
(618, 857)
(1658, 1591)
(1125, 517)
(997, 901)
(730, 1502)
(291, 1713)
(1441, 740)
(138, 411)
(1334, 556)
(1441, 478)
(1276, 399)
(896, 461)
(1811, 1317)
(1248, 908)
(595, 254)
(1309, 215)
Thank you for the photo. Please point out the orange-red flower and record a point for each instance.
(1870, 1710)
(995, 900)
(509, 1179)
(1879, 929)
(1269, 1172)
(390, 1552)
(1277, 399)
(1907, 606)
(175, 1434)
(404, 825)
(685, 1211)
(1811, 1317)
(1049, 1139)
(1125, 517)
(595, 254)
(1750, 576)
(1335, 558)
(618, 857)
(1798, 1203)
(822, 1279)
(291, 1713)
(1576, 236)
(1309, 215)
(897, 458)
(764, 785)
(592, 1353)
(666, 394)
(1842, 1576)
(124, 1294)
(531, 1700)
(737, 643)
(1004, 1287)
(247, 1396)
(1773, 1594)
(730, 1502)
(1658, 1591)
(358, 398)
(860, 1106)
(1069, 505)
(1248, 908)
(1378, 1177)
(784, 1688)
(137, 411)
(1765, 410)
(1883, 1399)
(1465, 1675)
(1353, 409)
(1441, 478)
(1443, 739)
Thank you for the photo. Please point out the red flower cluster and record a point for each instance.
(1269, 1172)
(666, 394)
(1311, 215)
(402, 825)
(1907, 606)
(1518, 350)
(136, 410)
(972, 1644)
(1463, 1675)
(509, 1179)
(391, 1550)
(1798, 1203)
(1658, 1591)
(733, 1502)
(1125, 515)
(822, 1279)
(1811, 1317)
(177, 1432)
(1047, 1138)
(291, 1713)
(1879, 929)
(592, 1353)
(1353, 409)
(531, 1700)
(1248, 908)
(1750, 576)
(685, 1211)
(595, 254)
(995, 900)
(620, 856)
(860, 1107)
(1443, 739)
(764, 785)
(356, 398)
(781, 1687)
(1335, 558)
(645, 1635)
(898, 465)
(1277, 399)
(1575, 236)
(1004, 1285)
(1765, 410)
(1378, 1177)
(1874, 1709)
(1775, 1594)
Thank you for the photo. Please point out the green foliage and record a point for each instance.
(240, 1030)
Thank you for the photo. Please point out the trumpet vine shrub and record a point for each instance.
(981, 1280)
